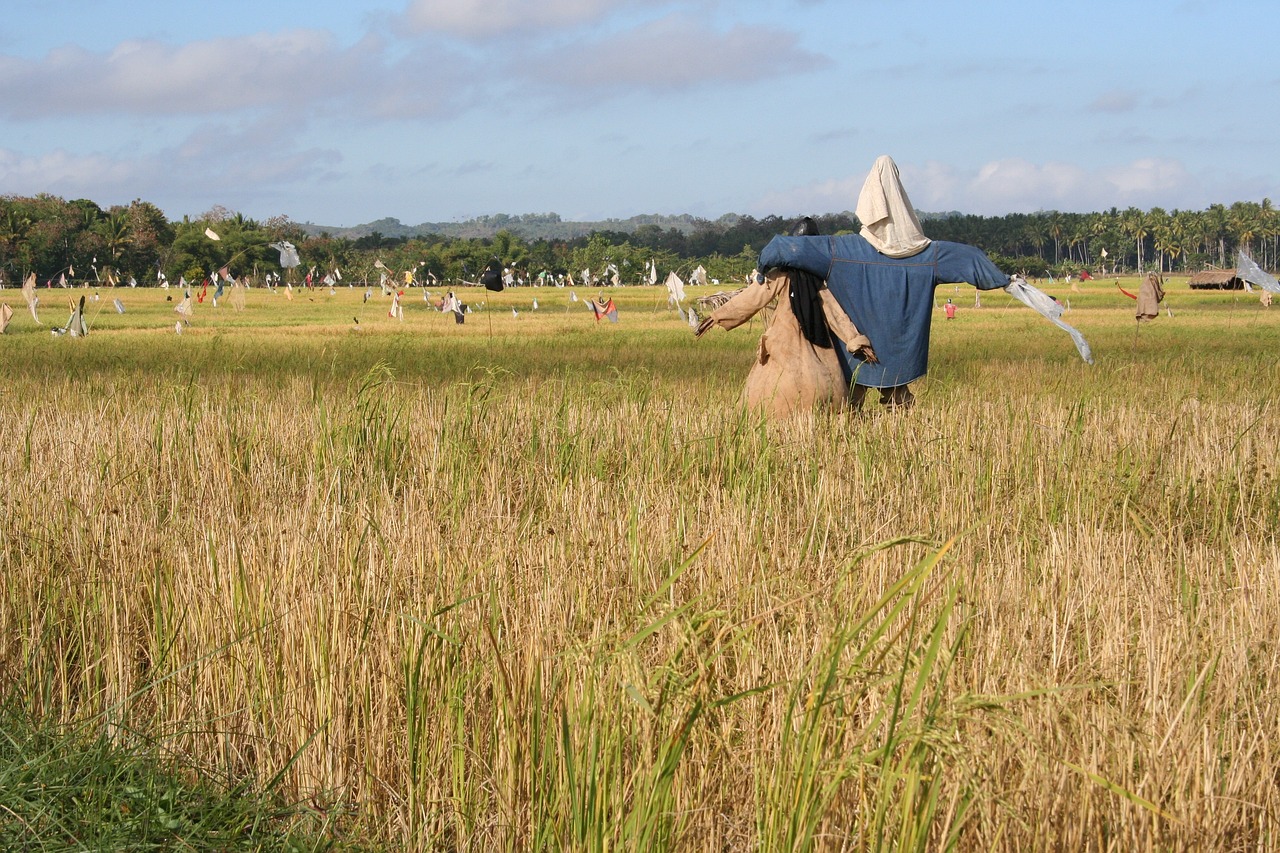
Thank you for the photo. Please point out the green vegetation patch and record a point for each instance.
(66, 789)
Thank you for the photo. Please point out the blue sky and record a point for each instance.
(441, 110)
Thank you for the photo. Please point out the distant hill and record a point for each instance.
(543, 226)
(527, 226)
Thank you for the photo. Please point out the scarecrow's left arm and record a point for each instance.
(958, 262)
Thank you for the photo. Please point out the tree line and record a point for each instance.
(52, 237)
(1129, 240)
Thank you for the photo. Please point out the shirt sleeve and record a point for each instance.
(841, 325)
(744, 305)
(960, 263)
(811, 254)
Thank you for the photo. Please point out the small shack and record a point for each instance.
(1215, 280)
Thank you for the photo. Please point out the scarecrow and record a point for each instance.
(1150, 295)
(604, 307)
(797, 366)
(884, 279)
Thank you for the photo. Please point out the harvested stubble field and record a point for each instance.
(533, 582)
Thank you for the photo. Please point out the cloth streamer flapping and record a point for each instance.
(29, 294)
(288, 254)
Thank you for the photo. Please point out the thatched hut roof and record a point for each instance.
(1215, 280)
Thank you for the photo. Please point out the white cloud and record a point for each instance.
(1149, 177)
(1010, 186)
(482, 19)
(1019, 185)
(675, 52)
(213, 163)
(23, 174)
(148, 77)
(830, 196)
(299, 71)
(309, 73)
(249, 156)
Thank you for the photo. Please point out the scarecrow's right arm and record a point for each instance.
(746, 304)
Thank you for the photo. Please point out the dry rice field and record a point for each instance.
(533, 582)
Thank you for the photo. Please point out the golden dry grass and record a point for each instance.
(548, 587)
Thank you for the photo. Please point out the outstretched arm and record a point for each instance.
(958, 262)
(744, 305)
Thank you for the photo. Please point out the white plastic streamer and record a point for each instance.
(1044, 305)
(1250, 272)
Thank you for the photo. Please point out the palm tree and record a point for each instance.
(1165, 243)
(1243, 220)
(1157, 221)
(1183, 229)
(1216, 222)
(1134, 223)
(1267, 229)
(115, 232)
(1199, 230)
(1079, 236)
(14, 227)
(1036, 233)
(1056, 230)
(1102, 227)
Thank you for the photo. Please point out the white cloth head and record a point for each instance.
(889, 222)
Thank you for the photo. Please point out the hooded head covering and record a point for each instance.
(889, 222)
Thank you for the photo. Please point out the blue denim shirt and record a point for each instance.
(890, 300)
